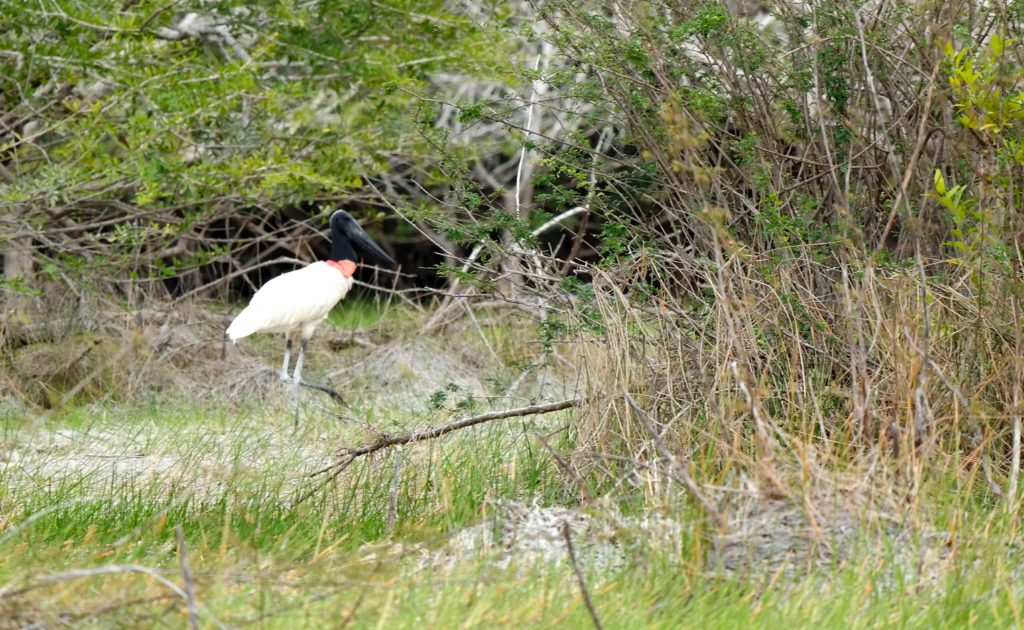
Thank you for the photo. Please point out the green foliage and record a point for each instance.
(300, 102)
(707, 21)
(466, 278)
(615, 241)
(441, 396)
(551, 331)
(988, 91)
(961, 209)
(989, 88)
(17, 286)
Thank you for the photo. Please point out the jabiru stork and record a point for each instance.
(296, 302)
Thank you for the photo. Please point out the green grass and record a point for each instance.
(356, 313)
(230, 476)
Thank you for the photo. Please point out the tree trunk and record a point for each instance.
(17, 256)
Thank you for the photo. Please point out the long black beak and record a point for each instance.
(366, 244)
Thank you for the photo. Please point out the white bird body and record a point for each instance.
(295, 301)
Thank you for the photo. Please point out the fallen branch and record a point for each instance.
(350, 455)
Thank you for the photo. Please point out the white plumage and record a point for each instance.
(296, 302)
(293, 302)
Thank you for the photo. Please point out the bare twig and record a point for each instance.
(110, 569)
(923, 421)
(529, 127)
(235, 274)
(204, 27)
(558, 218)
(186, 575)
(1011, 491)
(555, 221)
(1015, 444)
(680, 472)
(393, 493)
(579, 576)
(908, 173)
(965, 404)
(569, 470)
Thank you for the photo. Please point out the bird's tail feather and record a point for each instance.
(244, 325)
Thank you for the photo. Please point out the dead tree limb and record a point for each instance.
(350, 455)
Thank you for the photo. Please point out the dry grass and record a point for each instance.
(783, 386)
(752, 406)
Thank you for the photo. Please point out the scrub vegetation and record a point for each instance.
(708, 314)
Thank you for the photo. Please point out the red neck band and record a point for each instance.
(346, 267)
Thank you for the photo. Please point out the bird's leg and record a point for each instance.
(287, 357)
(298, 378)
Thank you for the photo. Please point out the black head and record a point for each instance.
(347, 237)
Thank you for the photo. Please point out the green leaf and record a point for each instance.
(940, 182)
